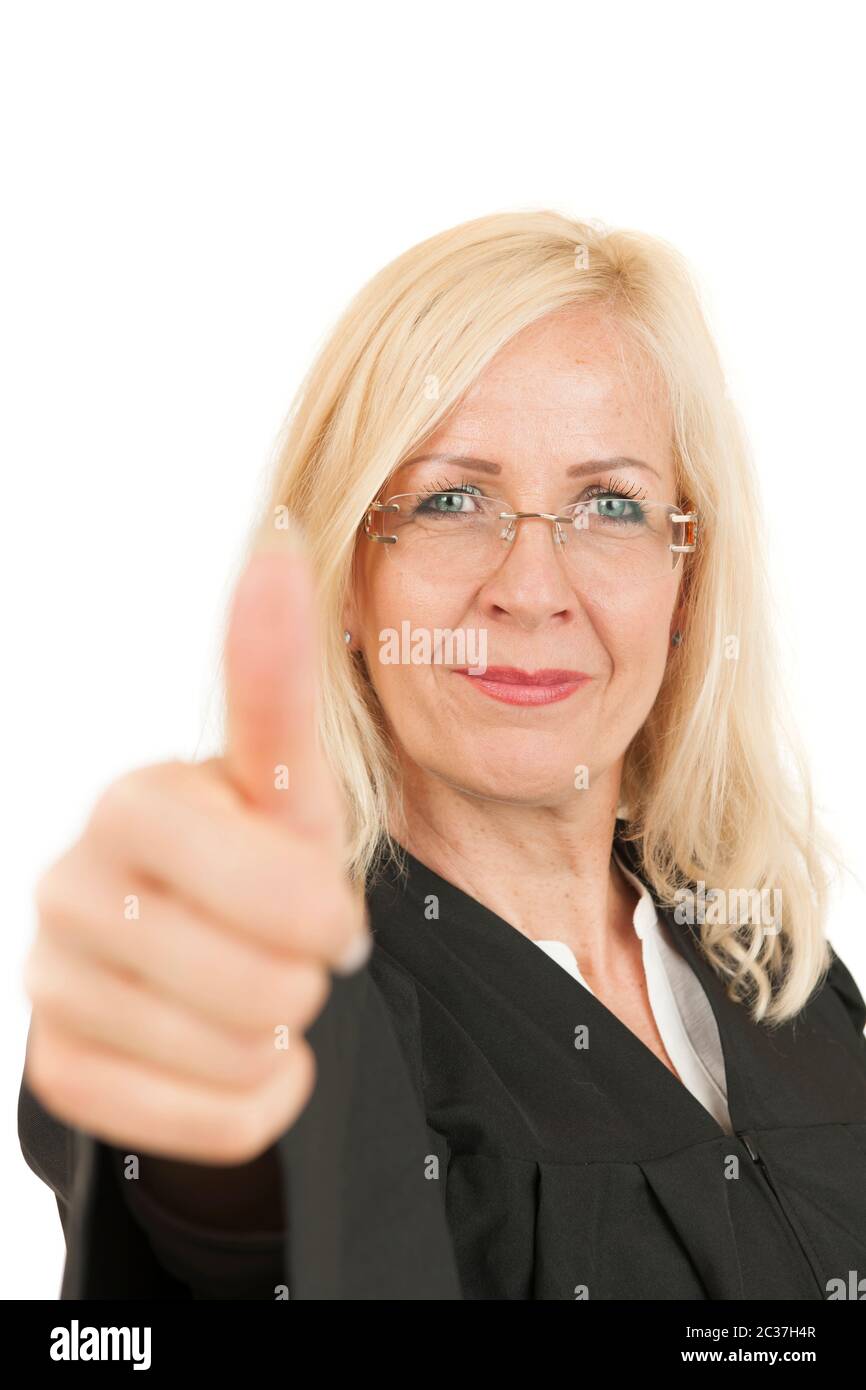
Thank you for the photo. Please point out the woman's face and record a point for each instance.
(567, 391)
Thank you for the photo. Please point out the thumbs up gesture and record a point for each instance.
(186, 940)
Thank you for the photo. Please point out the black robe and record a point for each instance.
(460, 1145)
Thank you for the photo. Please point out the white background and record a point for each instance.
(191, 192)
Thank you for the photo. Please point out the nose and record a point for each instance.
(531, 585)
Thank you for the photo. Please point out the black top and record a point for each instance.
(483, 1127)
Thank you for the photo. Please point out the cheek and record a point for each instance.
(391, 597)
(394, 608)
(636, 637)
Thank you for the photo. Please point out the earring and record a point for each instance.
(347, 636)
(676, 638)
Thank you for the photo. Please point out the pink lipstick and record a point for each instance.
(517, 687)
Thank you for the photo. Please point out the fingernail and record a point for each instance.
(357, 955)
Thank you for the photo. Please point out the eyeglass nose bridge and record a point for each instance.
(508, 533)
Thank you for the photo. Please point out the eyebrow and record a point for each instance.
(575, 470)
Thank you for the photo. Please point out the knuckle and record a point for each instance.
(303, 1085)
(305, 1059)
(252, 1130)
(241, 1130)
(167, 1031)
(115, 805)
(41, 980)
(249, 1060)
(317, 992)
(211, 779)
(122, 801)
(236, 1132)
(47, 1070)
(335, 914)
(296, 993)
(53, 889)
(252, 985)
(278, 1106)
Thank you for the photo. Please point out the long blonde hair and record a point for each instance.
(716, 784)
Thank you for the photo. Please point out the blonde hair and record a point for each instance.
(715, 783)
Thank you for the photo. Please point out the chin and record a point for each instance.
(529, 786)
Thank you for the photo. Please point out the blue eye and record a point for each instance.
(615, 504)
(619, 509)
(443, 499)
(443, 502)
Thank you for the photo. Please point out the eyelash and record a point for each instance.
(614, 488)
(443, 485)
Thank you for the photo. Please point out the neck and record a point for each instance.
(547, 870)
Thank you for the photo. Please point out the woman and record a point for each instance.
(601, 1047)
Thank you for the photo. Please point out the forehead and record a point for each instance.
(571, 383)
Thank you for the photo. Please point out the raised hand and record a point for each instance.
(185, 940)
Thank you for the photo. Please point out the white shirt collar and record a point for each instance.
(644, 919)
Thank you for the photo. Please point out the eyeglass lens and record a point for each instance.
(610, 540)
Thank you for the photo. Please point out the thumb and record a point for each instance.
(271, 665)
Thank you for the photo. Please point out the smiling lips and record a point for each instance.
(516, 687)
